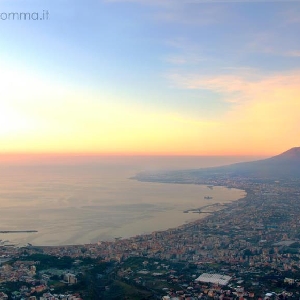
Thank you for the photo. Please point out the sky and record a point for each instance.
(150, 77)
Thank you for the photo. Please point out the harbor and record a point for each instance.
(200, 210)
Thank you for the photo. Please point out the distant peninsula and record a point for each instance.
(285, 166)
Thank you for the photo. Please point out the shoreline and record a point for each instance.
(198, 219)
(100, 206)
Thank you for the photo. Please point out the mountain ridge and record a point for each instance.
(285, 165)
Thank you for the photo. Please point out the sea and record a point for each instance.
(80, 200)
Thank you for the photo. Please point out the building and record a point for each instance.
(214, 278)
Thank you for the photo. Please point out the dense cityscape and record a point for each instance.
(141, 150)
(254, 242)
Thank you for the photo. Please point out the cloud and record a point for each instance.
(231, 87)
(264, 113)
(237, 88)
(291, 16)
(183, 59)
(265, 110)
(293, 54)
(176, 59)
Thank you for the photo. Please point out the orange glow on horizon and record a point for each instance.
(15, 156)
(263, 114)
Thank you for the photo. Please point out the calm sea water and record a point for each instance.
(87, 201)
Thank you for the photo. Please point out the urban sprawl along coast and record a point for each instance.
(253, 243)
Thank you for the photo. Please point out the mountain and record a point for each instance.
(292, 154)
(283, 166)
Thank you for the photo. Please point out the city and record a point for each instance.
(255, 241)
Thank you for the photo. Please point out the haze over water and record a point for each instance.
(85, 200)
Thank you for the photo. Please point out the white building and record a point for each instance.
(214, 278)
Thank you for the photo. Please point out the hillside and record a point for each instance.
(283, 166)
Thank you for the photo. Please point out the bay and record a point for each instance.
(88, 202)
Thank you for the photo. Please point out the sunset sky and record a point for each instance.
(174, 77)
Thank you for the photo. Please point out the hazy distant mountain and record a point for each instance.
(282, 166)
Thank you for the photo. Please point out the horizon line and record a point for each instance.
(127, 154)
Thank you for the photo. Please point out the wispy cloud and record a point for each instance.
(184, 59)
(237, 88)
(264, 108)
(291, 16)
(176, 59)
(294, 53)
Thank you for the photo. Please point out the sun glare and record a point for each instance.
(12, 122)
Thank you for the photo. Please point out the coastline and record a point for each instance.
(201, 218)
(158, 217)
(197, 219)
(75, 207)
